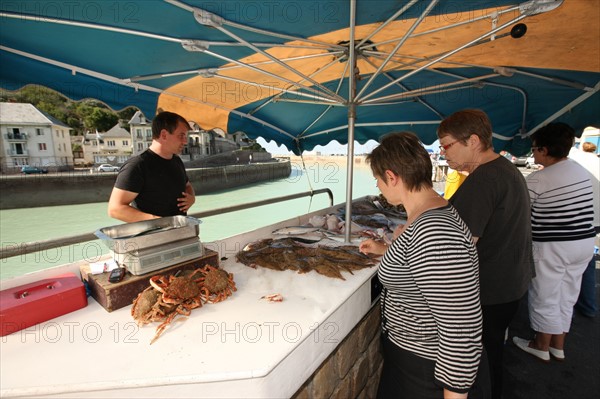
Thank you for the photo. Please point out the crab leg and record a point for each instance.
(159, 330)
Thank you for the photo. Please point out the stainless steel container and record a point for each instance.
(130, 237)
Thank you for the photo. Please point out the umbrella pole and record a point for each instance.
(351, 120)
(350, 170)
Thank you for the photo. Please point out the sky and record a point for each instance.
(332, 148)
(336, 148)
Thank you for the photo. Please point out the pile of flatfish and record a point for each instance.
(371, 204)
(291, 254)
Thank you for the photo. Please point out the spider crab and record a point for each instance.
(147, 307)
(216, 284)
(184, 290)
(167, 297)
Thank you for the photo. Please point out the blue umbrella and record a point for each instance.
(279, 70)
(305, 73)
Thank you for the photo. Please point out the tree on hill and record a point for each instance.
(81, 116)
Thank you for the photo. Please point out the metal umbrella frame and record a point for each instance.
(375, 56)
(364, 69)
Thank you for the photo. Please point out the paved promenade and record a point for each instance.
(578, 377)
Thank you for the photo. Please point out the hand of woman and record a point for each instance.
(371, 246)
(454, 395)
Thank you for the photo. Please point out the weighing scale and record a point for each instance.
(147, 260)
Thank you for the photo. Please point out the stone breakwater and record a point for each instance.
(80, 187)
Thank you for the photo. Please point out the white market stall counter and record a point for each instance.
(244, 346)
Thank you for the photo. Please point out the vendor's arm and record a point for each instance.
(188, 198)
(119, 207)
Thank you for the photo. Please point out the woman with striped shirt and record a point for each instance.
(562, 213)
(431, 313)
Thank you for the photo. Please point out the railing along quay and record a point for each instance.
(36, 246)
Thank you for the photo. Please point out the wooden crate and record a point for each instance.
(113, 296)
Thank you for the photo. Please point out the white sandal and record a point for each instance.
(523, 344)
(558, 354)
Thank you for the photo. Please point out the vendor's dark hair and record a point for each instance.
(462, 124)
(166, 120)
(404, 155)
(558, 138)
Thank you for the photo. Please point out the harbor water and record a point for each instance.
(19, 226)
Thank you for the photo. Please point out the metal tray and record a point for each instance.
(136, 236)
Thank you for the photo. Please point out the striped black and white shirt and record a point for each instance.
(430, 303)
(562, 203)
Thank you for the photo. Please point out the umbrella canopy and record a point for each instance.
(305, 73)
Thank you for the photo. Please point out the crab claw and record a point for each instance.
(273, 298)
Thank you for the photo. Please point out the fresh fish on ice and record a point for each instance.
(296, 230)
(332, 223)
(317, 221)
(287, 254)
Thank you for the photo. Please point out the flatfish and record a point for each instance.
(375, 204)
(288, 254)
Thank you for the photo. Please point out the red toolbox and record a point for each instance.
(30, 304)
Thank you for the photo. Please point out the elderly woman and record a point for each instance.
(494, 203)
(431, 316)
(562, 213)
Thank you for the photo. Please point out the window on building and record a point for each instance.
(42, 146)
(140, 146)
(138, 133)
(39, 132)
(17, 149)
(15, 130)
(125, 142)
(111, 143)
(149, 133)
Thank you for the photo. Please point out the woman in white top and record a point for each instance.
(562, 214)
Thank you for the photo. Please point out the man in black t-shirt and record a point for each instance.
(154, 184)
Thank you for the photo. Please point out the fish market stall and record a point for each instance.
(250, 344)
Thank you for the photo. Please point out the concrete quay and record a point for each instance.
(29, 191)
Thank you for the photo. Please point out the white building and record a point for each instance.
(201, 143)
(112, 147)
(32, 137)
(141, 132)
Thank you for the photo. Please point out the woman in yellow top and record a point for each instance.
(453, 182)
